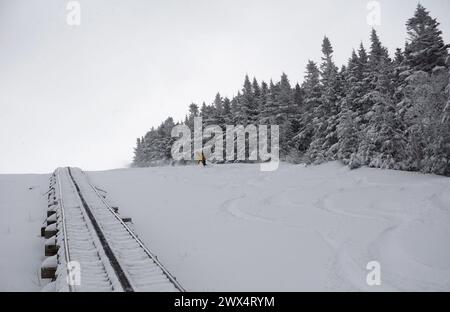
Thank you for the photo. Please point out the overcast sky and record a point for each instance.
(80, 95)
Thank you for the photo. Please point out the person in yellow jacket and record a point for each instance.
(202, 159)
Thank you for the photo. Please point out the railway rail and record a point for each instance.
(90, 247)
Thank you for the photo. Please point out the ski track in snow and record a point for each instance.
(232, 207)
(344, 262)
(350, 260)
(385, 246)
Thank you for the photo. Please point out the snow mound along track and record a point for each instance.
(90, 247)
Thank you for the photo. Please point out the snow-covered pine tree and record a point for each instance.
(168, 141)
(347, 128)
(148, 147)
(398, 75)
(293, 154)
(193, 112)
(325, 114)
(347, 134)
(138, 159)
(248, 103)
(269, 105)
(208, 113)
(426, 132)
(446, 124)
(383, 128)
(423, 97)
(237, 117)
(264, 90)
(354, 84)
(245, 107)
(284, 103)
(426, 48)
(312, 94)
(446, 113)
(332, 83)
(257, 97)
(227, 115)
(375, 100)
(158, 143)
(217, 117)
(378, 59)
(298, 97)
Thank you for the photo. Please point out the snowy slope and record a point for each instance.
(235, 228)
(22, 206)
(299, 228)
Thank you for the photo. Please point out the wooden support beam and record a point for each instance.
(50, 230)
(49, 266)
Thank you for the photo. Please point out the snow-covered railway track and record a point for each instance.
(92, 244)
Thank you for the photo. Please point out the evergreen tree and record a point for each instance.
(227, 114)
(377, 60)
(193, 112)
(258, 96)
(284, 104)
(421, 101)
(298, 98)
(256, 89)
(269, 105)
(377, 95)
(347, 134)
(382, 144)
(207, 112)
(446, 113)
(248, 104)
(398, 79)
(426, 48)
(350, 110)
(237, 117)
(325, 113)
(218, 116)
(138, 160)
(427, 135)
(264, 92)
(312, 96)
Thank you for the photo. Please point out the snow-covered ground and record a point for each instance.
(22, 207)
(234, 228)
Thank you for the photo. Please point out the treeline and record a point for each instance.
(375, 111)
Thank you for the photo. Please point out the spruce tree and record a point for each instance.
(325, 113)
(270, 105)
(227, 114)
(376, 104)
(426, 48)
(138, 154)
(237, 116)
(218, 112)
(312, 96)
(298, 98)
(426, 132)
(248, 103)
(193, 112)
(422, 99)
(284, 103)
